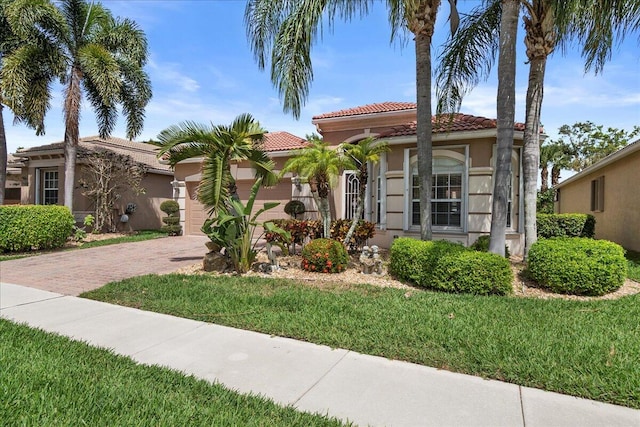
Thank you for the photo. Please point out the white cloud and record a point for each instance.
(170, 73)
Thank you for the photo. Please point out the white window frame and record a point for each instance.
(442, 152)
(380, 180)
(41, 187)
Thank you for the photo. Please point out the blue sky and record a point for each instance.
(202, 69)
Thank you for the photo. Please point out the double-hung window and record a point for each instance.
(49, 186)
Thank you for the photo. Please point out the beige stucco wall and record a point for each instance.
(146, 216)
(620, 220)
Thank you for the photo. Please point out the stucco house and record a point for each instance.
(608, 190)
(464, 159)
(42, 178)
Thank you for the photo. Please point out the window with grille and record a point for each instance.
(49, 187)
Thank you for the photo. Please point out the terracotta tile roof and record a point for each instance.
(443, 124)
(139, 151)
(382, 107)
(281, 141)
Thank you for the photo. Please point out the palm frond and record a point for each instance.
(213, 190)
(467, 57)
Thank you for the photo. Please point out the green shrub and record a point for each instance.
(473, 272)
(578, 266)
(24, 228)
(482, 245)
(172, 221)
(324, 256)
(301, 229)
(294, 208)
(566, 225)
(415, 260)
(170, 207)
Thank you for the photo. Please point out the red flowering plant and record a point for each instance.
(324, 256)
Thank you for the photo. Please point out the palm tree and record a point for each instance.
(470, 55)
(506, 108)
(94, 55)
(366, 151)
(286, 30)
(321, 166)
(220, 146)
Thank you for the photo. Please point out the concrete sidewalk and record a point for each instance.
(364, 389)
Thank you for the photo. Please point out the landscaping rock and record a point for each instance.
(214, 261)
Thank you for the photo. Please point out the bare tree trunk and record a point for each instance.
(3, 157)
(424, 129)
(71, 134)
(506, 120)
(555, 175)
(531, 151)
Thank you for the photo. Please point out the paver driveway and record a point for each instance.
(77, 271)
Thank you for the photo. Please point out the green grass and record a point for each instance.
(633, 258)
(588, 349)
(50, 380)
(138, 237)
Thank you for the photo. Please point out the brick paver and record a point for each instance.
(77, 271)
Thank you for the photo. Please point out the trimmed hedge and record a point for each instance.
(473, 272)
(36, 227)
(482, 245)
(566, 225)
(324, 256)
(578, 266)
(415, 260)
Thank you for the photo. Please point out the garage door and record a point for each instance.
(196, 213)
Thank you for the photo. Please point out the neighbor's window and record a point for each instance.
(49, 187)
(597, 194)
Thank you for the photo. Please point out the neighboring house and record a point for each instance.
(43, 179)
(464, 159)
(609, 191)
(14, 181)
(188, 173)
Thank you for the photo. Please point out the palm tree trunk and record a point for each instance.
(555, 175)
(544, 178)
(531, 151)
(325, 213)
(424, 129)
(506, 120)
(71, 134)
(3, 157)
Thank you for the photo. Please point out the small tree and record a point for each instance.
(172, 221)
(105, 178)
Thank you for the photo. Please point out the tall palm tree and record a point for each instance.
(470, 55)
(94, 55)
(506, 109)
(220, 145)
(286, 30)
(367, 151)
(321, 166)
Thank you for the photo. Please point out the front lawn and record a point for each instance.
(50, 380)
(582, 348)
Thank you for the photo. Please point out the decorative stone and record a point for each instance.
(377, 260)
(214, 261)
(366, 262)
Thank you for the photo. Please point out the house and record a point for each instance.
(278, 145)
(464, 158)
(608, 191)
(14, 182)
(43, 179)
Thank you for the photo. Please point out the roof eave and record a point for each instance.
(358, 116)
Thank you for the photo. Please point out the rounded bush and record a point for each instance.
(577, 266)
(473, 272)
(565, 225)
(294, 208)
(324, 256)
(25, 228)
(482, 245)
(414, 260)
(170, 207)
